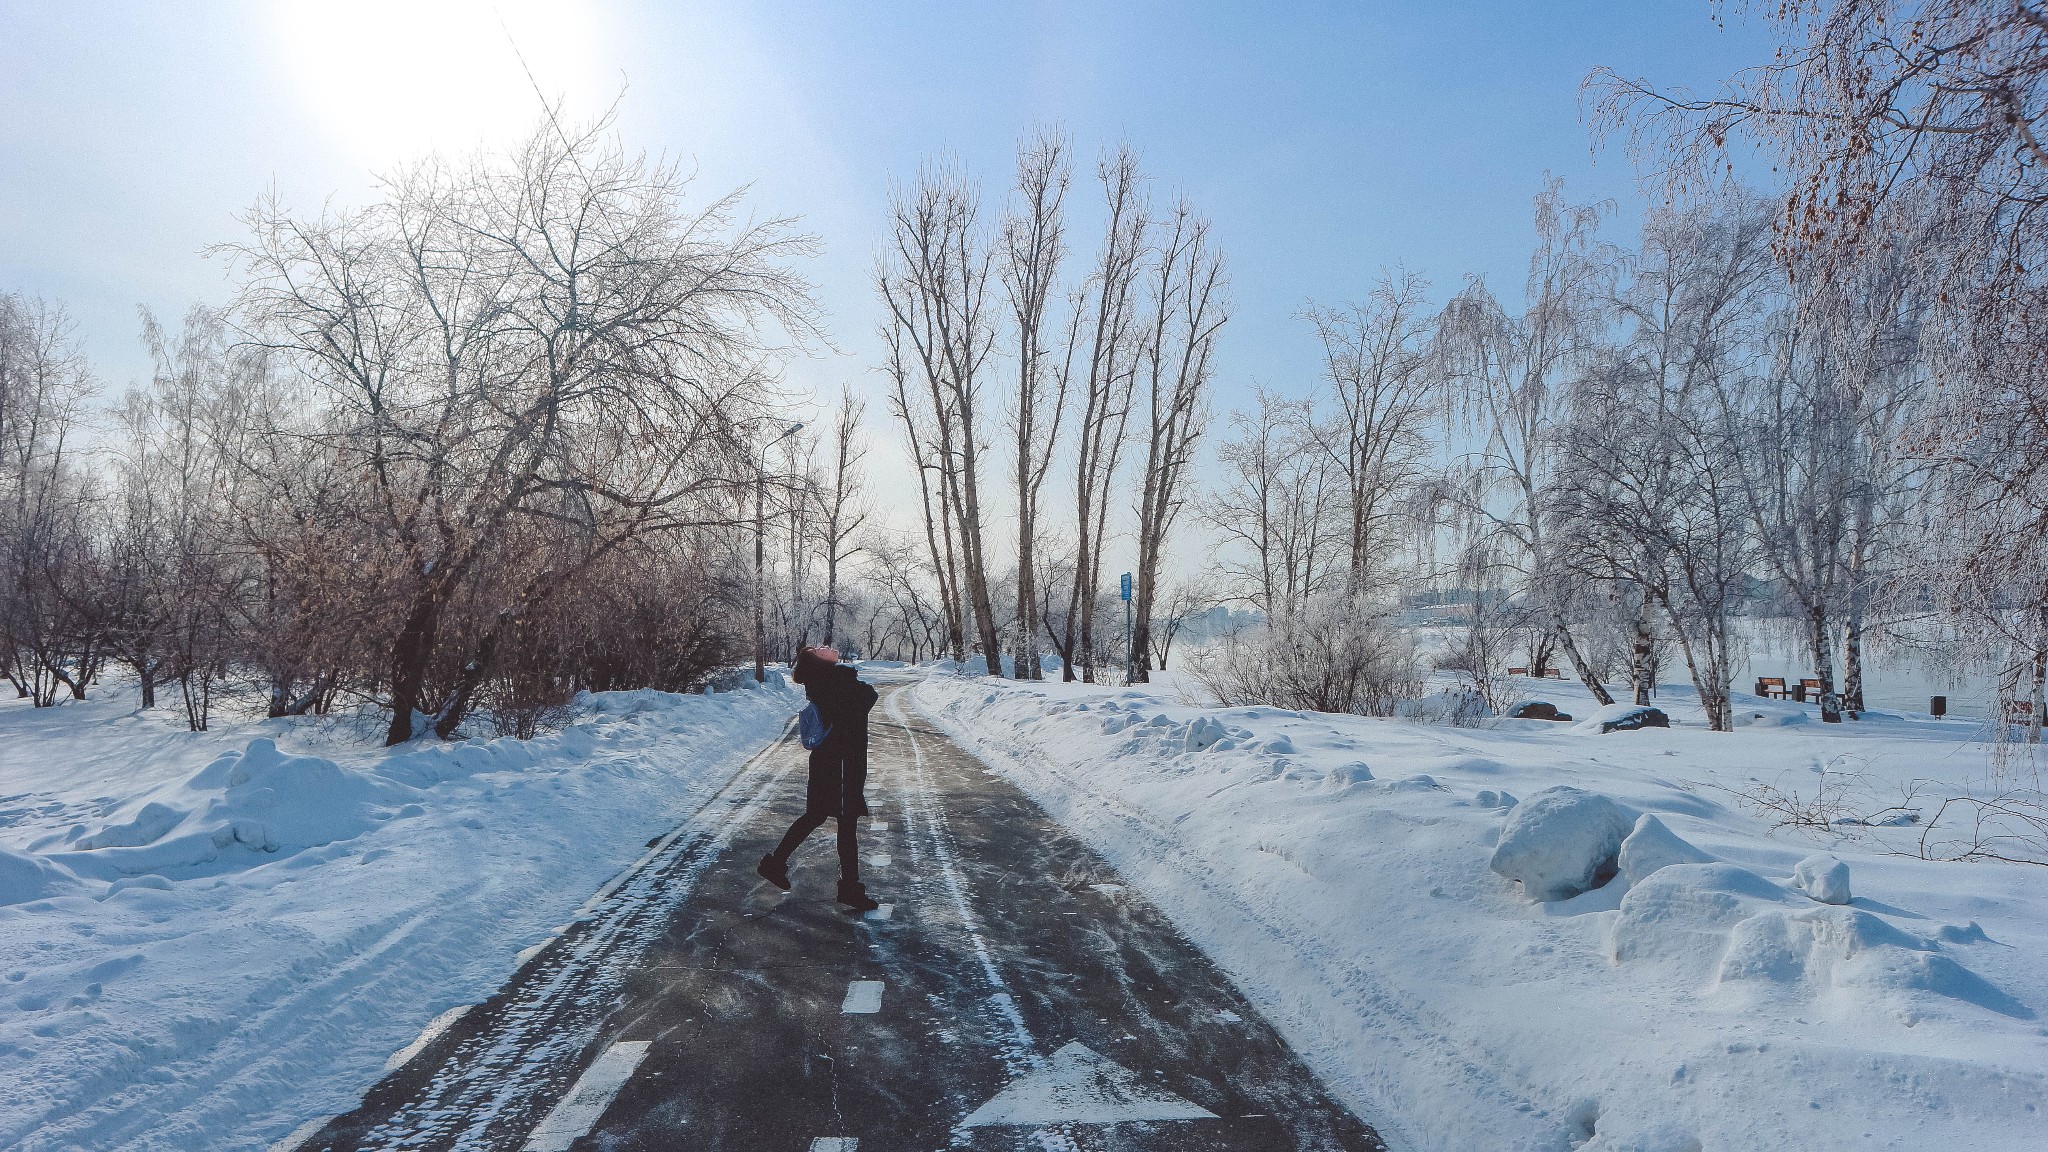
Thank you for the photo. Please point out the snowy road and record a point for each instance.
(1012, 993)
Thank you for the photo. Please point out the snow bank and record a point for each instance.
(209, 939)
(1700, 999)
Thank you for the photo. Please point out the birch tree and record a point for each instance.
(1508, 377)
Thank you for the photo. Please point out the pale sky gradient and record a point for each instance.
(1325, 140)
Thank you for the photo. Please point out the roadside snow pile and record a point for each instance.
(208, 939)
(235, 812)
(1625, 958)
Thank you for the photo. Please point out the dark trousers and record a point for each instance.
(809, 822)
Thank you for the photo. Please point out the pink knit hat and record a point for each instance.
(812, 661)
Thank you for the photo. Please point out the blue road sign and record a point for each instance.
(1127, 585)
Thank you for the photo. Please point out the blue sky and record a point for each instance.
(1326, 141)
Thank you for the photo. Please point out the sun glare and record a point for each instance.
(391, 79)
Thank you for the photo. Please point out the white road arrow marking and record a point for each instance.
(1079, 1087)
(593, 1093)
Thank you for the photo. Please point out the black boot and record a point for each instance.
(774, 871)
(854, 895)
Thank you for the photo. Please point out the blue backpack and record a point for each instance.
(811, 727)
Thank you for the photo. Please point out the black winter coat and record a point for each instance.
(839, 766)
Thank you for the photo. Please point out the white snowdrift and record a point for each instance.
(209, 939)
(1561, 842)
(1699, 999)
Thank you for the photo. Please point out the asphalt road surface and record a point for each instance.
(1012, 993)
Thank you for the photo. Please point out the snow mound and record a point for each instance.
(148, 826)
(1847, 950)
(1491, 798)
(1652, 846)
(24, 878)
(1562, 841)
(258, 800)
(1339, 779)
(1683, 912)
(1203, 732)
(1824, 878)
(1623, 718)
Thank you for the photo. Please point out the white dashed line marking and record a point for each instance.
(863, 998)
(879, 826)
(834, 1144)
(882, 861)
(885, 912)
(592, 1094)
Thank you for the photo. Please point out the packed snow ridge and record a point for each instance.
(1538, 935)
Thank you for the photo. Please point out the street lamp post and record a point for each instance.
(760, 554)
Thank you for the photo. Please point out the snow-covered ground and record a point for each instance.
(208, 939)
(1341, 869)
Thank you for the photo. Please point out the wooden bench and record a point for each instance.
(1553, 674)
(1772, 688)
(1518, 671)
(2019, 712)
(1808, 692)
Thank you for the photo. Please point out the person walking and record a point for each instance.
(839, 772)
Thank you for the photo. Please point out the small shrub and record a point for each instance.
(1334, 655)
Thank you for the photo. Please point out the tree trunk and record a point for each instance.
(831, 594)
(970, 538)
(409, 656)
(1707, 678)
(1579, 665)
(1821, 648)
(1641, 652)
(449, 719)
(2039, 696)
(1027, 666)
(145, 673)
